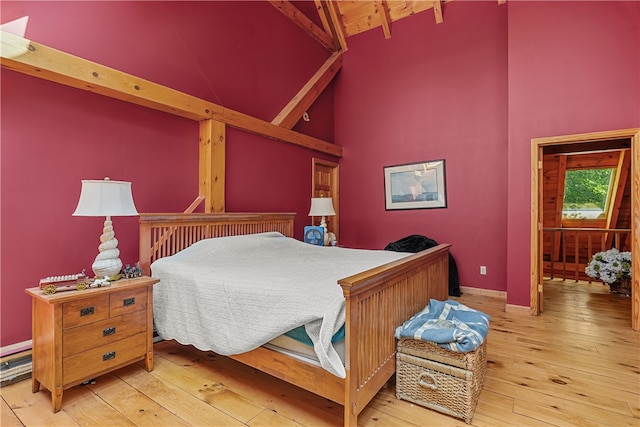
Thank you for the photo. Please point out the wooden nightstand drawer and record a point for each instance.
(127, 301)
(85, 310)
(81, 338)
(87, 364)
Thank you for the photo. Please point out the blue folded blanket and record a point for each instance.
(449, 324)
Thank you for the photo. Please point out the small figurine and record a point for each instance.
(101, 282)
(130, 272)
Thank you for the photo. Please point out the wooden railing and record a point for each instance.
(567, 251)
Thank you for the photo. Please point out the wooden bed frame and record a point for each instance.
(377, 301)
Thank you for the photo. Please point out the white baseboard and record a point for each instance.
(510, 308)
(486, 292)
(15, 348)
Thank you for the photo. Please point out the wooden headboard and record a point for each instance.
(163, 235)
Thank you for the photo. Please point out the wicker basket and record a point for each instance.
(439, 379)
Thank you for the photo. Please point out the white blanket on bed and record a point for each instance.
(234, 294)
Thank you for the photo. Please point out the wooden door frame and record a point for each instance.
(334, 192)
(537, 145)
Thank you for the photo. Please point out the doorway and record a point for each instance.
(538, 145)
(325, 183)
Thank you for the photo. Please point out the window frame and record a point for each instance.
(607, 204)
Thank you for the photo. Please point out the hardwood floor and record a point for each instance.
(576, 364)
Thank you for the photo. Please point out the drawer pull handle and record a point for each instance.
(109, 331)
(129, 301)
(430, 382)
(86, 311)
(108, 356)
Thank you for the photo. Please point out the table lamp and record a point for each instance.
(106, 198)
(322, 206)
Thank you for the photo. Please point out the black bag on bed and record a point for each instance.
(416, 243)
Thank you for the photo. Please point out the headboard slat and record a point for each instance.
(163, 235)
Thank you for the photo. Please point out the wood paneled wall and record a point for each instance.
(555, 166)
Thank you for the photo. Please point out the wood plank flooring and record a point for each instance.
(576, 364)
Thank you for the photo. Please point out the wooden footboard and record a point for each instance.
(377, 301)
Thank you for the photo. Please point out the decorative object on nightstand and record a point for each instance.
(323, 206)
(52, 284)
(106, 198)
(78, 336)
(314, 235)
(130, 272)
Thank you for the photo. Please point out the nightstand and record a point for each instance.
(79, 335)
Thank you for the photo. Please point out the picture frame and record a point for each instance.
(415, 185)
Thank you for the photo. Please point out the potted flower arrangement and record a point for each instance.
(612, 267)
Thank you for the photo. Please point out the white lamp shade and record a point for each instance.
(105, 198)
(321, 206)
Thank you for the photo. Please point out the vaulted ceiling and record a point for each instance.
(329, 22)
(336, 21)
(345, 18)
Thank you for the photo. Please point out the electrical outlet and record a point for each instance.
(483, 269)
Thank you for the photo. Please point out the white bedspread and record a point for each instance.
(233, 294)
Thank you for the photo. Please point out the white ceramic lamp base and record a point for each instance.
(107, 263)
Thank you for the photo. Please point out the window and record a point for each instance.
(586, 193)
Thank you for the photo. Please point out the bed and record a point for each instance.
(376, 302)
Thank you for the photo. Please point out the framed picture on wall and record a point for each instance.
(415, 186)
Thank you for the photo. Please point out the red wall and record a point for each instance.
(475, 90)
(243, 55)
(577, 72)
(431, 91)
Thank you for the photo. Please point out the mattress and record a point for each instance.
(294, 348)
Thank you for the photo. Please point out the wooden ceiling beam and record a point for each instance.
(300, 103)
(323, 13)
(340, 33)
(618, 184)
(60, 67)
(329, 12)
(437, 11)
(385, 18)
(266, 129)
(301, 20)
